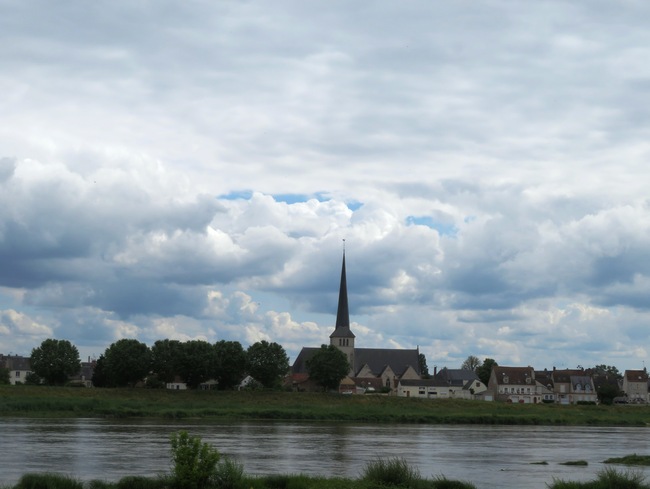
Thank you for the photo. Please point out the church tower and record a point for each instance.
(343, 337)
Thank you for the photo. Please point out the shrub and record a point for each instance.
(195, 463)
(139, 482)
(229, 475)
(444, 483)
(47, 481)
(391, 472)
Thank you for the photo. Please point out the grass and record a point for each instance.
(634, 459)
(41, 401)
(606, 479)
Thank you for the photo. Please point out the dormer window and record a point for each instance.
(505, 379)
(528, 380)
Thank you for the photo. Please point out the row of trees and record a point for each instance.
(128, 362)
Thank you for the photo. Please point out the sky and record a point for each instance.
(190, 170)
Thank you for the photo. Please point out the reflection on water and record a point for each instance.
(488, 456)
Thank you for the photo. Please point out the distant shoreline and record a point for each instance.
(71, 402)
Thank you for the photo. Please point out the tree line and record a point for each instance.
(128, 362)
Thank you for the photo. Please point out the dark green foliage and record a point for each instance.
(267, 363)
(424, 368)
(634, 459)
(100, 376)
(394, 472)
(55, 360)
(607, 392)
(328, 366)
(575, 462)
(4, 376)
(471, 363)
(126, 362)
(607, 479)
(484, 370)
(230, 366)
(164, 359)
(47, 481)
(444, 483)
(139, 482)
(33, 379)
(195, 362)
(229, 475)
(195, 462)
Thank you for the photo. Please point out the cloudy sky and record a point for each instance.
(190, 170)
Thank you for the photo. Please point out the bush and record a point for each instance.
(47, 481)
(392, 472)
(139, 482)
(229, 475)
(607, 479)
(195, 463)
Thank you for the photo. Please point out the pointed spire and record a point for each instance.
(343, 313)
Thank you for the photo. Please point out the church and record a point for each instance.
(371, 369)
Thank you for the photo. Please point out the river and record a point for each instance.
(488, 456)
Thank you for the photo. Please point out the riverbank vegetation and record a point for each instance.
(44, 401)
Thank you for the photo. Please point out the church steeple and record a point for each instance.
(343, 313)
(342, 328)
(343, 337)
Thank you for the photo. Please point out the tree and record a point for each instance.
(267, 363)
(328, 366)
(165, 355)
(195, 462)
(471, 363)
(484, 371)
(55, 360)
(424, 368)
(33, 379)
(126, 362)
(607, 370)
(4, 376)
(196, 362)
(100, 378)
(230, 367)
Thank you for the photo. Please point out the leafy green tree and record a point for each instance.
(424, 368)
(55, 360)
(230, 366)
(100, 378)
(328, 366)
(33, 379)
(196, 362)
(4, 376)
(607, 370)
(165, 358)
(607, 391)
(267, 363)
(126, 362)
(484, 370)
(471, 363)
(195, 463)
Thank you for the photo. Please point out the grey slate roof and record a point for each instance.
(377, 360)
(456, 377)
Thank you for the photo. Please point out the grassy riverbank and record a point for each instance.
(39, 401)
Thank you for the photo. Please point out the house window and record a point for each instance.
(17, 374)
(505, 379)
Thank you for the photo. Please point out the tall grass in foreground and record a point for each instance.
(607, 479)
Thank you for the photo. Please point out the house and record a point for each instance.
(635, 385)
(517, 385)
(466, 380)
(381, 367)
(572, 386)
(177, 384)
(18, 366)
(425, 388)
(85, 375)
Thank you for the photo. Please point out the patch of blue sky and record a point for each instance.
(237, 195)
(354, 205)
(444, 229)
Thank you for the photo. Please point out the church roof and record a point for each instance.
(379, 358)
